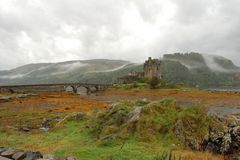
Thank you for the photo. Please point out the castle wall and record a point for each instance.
(152, 68)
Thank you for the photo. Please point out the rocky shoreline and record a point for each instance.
(17, 154)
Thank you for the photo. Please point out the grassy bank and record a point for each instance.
(73, 139)
(86, 139)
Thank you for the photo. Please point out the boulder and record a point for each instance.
(2, 149)
(33, 156)
(19, 155)
(3, 158)
(9, 153)
(132, 119)
(225, 141)
(47, 157)
(134, 116)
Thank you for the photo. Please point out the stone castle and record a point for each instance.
(151, 68)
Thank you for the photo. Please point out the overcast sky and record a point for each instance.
(34, 31)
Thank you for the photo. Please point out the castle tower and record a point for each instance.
(152, 68)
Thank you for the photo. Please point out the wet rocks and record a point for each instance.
(16, 154)
(3, 158)
(8, 153)
(33, 155)
(19, 155)
(2, 150)
(225, 141)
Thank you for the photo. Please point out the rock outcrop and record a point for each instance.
(226, 141)
(16, 154)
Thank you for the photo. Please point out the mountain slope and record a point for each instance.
(98, 71)
(190, 68)
(197, 60)
(200, 70)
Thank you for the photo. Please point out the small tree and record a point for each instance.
(153, 83)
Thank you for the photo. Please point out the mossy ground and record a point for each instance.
(74, 138)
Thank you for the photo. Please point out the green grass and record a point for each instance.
(161, 85)
(73, 139)
(82, 139)
(131, 85)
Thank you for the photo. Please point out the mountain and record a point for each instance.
(92, 71)
(191, 68)
(200, 70)
(197, 60)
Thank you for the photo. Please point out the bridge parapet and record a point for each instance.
(90, 88)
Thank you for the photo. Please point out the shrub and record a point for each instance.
(143, 80)
(153, 83)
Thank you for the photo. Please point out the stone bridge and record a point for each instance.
(82, 88)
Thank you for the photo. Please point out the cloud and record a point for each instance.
(35, 31)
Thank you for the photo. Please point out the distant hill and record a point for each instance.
(92, 71)
(191, 68)
(200, 70)
(196, 60)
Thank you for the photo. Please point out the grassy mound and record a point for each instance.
(155, 121)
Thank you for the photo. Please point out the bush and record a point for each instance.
(143, 80)
(153, 83)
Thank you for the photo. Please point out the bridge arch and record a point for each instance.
(71, 89)
(83, 90)
(97, 87)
